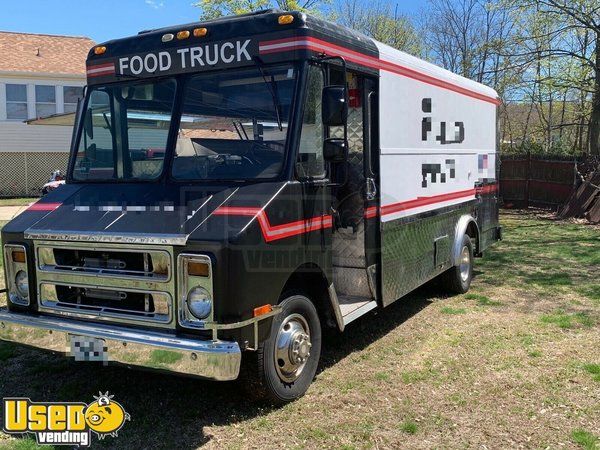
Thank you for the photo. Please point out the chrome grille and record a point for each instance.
(143, 264)
(116, 283)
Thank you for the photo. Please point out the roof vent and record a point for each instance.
(38, 52)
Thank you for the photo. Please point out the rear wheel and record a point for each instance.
(283, 367)
(457, 280)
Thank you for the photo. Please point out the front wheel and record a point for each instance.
(283, 367)
(457, 280)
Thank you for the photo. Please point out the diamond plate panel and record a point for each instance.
(349, 247)
(355, 130)
(349, 242)
(408, 251)
(352, 282)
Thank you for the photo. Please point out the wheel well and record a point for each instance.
(310, 280)
(473, 232)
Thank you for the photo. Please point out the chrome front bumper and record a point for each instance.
(216, 360)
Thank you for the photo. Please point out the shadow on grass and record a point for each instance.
(170, 411)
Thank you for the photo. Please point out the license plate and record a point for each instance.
(84, 348)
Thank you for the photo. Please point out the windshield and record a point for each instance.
(125, 130)
(234, 124)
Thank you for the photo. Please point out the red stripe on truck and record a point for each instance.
(320, 46)
(100, 70)
(44, 206)
(275, 232)
(425, 201)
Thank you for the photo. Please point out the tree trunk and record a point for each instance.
(595, 117)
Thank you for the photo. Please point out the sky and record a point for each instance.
(103, 20)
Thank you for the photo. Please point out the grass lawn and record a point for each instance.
(513, 364)
(17, 201)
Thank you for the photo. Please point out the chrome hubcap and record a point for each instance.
(465, 263)
(293, 347)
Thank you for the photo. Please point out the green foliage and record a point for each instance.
(409, 427)
(452, 311)
(585, 439)
(559, 148)
(397, 32)
(594, 370)
(212, 9)
(380, 21)
(565, 320)
(27, 443)
(482, 300)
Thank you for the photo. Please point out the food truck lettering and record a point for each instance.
(210, 55)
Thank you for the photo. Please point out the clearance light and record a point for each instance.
(285, 19)
(183, 35)
(100, 50)
(18, 256)
(262, 310)
(198, 269)
(200, 32)
(167, 37)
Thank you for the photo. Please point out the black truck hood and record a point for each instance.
(144, 213)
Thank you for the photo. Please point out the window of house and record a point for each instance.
(45, 101)
(311, 163)
(71, 94)
(16, 101)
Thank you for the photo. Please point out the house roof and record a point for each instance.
(43, 53)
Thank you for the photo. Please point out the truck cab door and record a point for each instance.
(355, 200)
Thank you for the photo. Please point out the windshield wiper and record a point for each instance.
(272, 90)
(235, 125)
(108, 125)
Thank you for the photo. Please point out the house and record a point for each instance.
(40, 75)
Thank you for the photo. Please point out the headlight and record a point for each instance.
(199, 302)
(22, 283)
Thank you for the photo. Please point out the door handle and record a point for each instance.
(371, 191)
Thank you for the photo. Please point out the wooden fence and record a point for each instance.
(532, 181)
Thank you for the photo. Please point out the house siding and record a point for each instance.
(28, 154)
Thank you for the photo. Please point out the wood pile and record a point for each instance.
(585, 200)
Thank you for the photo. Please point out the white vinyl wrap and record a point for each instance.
(403, 152)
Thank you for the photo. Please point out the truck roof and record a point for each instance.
(304, 37)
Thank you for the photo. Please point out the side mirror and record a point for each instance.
(335, 106)
(335, 150)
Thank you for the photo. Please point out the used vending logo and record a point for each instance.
(64, 423)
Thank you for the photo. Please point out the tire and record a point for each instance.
(457, 280)
(270, 374)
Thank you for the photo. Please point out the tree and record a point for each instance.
(382, 22)
(468, 37)
(212, 9)
(575, 36)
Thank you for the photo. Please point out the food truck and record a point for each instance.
(237, 185)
